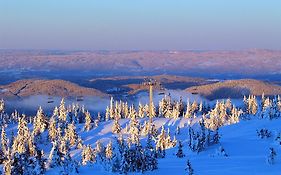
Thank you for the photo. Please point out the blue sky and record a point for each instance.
(140, 24)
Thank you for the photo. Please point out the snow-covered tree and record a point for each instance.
(71, 134)
(88, 155)
(221, 152)
(4, 141)
(55, 157)
(88, 123)
(7, 168)
(40, 122)
(189, 168)
(62, 111)
(271, 156)
(180, 153)
(116, 128)
(52, 130)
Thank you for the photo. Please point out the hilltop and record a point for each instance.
(60, 88)
(235, 89)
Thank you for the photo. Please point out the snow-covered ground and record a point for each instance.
(247, 152)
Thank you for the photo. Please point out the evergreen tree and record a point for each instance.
(271, 156)
(71, 134)
(4, 141)
(62, 111)
(70, 166)
(88, 155)
(55, 157)
(40, 122)
(88, 123)
(221, 151)
(189, 168)
(116, 128)
(7, 168)
(52, 130)
(180, 153)
(109, 151)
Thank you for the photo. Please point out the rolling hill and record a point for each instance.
(60, 88)
(235, 89)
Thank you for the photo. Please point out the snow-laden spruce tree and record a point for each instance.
(178, 130)
(107, 113)
(40, 122)
(97, 120)
(221, 151)
(180, 153)
(20, 141)
(134, 131)
(161, 143)
(88, 121)
(188, 112)
(88, 155)
(271, 157)
(109, 151)
(71, 134)
(100, 152)
(69, 165)
(141, 111)
(251, 104)
(7, 167)
(189, 168)
(116, 128)
(4, 141)
(55, 157)
(278, 138)
(62, 111)
(52, 130)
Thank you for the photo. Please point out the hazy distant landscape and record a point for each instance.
(140, 87)
(221, 64)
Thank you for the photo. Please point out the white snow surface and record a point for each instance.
(247, 152)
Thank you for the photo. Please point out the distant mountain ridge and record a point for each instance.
(235, 89)
(247, 62)
(60, 88)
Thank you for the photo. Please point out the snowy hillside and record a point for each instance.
(211, 139)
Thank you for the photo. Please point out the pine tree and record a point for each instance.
(271, 156)
(62, 111)
(8, 163)
(71, 134)
(96, 122)
(107, 114)
(125, 165)
(100, 151)
(134, 130)
(116, 128)
(178, 130)
(180, 153)
(189, 168)
(79, 143)
(221, 151)
(88, 118)
(31, 147)
(88, 155)
(109, 151)
(161, 144)
(70, 166)
(52, 130)
(19, 142)
(41, 162)
(4, 141)
(39, 123)
(55, 157)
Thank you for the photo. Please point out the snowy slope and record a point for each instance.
(247, 152)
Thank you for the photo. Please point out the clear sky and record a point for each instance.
(140, 24)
